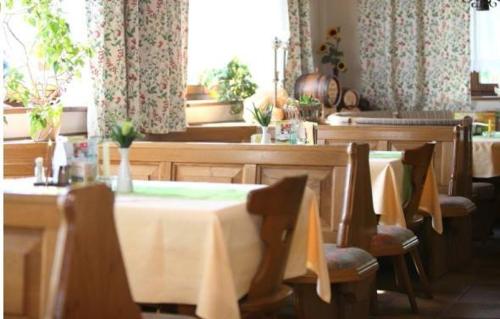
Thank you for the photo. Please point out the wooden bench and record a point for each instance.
(31, 220)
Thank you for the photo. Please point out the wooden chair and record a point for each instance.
(458, 209)
(88, 277)
(279, 205)
(395, 241)
(352, 270)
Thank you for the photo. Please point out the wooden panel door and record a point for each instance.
(327, 184)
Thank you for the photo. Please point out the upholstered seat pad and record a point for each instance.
(456, 206)
(411, 122)
(392, 240)
(483, 191)
(343, 258)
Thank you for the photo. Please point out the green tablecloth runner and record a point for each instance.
(193, 193)
(407, 188)
(386, 154)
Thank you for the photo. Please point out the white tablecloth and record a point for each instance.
(206, 252)
(486, 156)
(387, 175)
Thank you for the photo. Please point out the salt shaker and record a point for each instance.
(39, 174)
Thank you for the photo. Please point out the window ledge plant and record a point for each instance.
(50, 62)
(232, 83)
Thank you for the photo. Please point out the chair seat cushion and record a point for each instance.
(456, 206)
(152, 315)
(392, 240)
(348, 264)
(483, 191)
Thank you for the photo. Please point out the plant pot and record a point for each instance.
(124, 181)
(310, 112)
(50, 132)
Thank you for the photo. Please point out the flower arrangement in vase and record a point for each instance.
(331, 53)
(124, 133)
(263, 117)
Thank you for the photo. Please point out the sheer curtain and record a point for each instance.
(485, 43)
(222, 29)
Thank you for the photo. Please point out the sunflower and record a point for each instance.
(341, 67)
(333, 32)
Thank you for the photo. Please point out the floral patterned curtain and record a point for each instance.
(300, 54)
(139, 67)
(415, 54)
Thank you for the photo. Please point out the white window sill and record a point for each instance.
(73, 122)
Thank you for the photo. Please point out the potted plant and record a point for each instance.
(263, 117)
(232, 83)
(124, 133)
(50, 62)
(309, 108)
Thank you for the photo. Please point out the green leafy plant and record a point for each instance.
(308, 100)
(263, 116)
(54, 56)
(124, 133)
(232, 83)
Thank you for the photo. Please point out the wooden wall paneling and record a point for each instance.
(220, 173)
(327, 184)
(249, 174)
(22, 271)
(19, 158)
(140, 170)
(30, 233)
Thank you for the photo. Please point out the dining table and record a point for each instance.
(486, 156)
(195, 243)
(391, 187)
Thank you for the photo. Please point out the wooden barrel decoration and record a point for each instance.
(350, 98)
(323, 87)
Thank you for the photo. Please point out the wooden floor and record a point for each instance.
(472, 293)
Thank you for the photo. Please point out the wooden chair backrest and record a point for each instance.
(279, 206)
(419, 160)
(398, 138)
(461, 178)
(88, 277)
(359, 222)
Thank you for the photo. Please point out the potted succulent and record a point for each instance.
(232, 83)
(124, 133)
(263, 117)
(50, 62)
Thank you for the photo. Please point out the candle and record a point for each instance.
(284, 64)
(105, 159)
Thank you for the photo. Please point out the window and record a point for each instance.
(485, 47)
(222, 29)
(15, 30)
